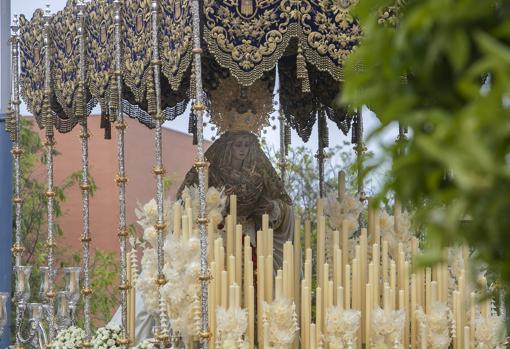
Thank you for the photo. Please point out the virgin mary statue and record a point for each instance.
(238, 164)
(240, 167)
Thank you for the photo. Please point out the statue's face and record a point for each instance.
(240, 147)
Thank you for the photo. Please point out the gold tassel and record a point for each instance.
(151, 96)
(46, 117)
(114, 99)
(10, 124)
(80, 102)
(302, 71)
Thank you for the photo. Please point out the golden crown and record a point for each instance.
(241, 108)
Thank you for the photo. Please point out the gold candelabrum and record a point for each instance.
(38, 323)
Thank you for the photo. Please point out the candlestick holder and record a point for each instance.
(4, 297)
(63, 310)
(22, 288)
(32, 318)
(72, 287)
(21, 297)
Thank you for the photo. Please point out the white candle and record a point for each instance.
(467, 344)
(368, 317)
(385, 261)
(224, 289)
(308, 234)
(386, 298)
(233, 208)
(319, 311)
(413, 311)
(251, 316)
(423, 336)
(347, 286)
(340, 297)
(189, 214)
(428, 294)
(231, 268)
(239, 253)
(268, 275)
(185, 228)
(266, 335)
(237, 296)
(279, 285)
(230, 235)
(313, 336)
(265, 222)
(177, 218)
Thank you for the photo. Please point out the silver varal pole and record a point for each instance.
(84, 184)
(201, 164)
(121, 179)
(360, 151)
(17, 248)
(50, 194)
(283, 148)
(159, 171)
(321, 127)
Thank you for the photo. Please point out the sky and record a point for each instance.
(27, 7)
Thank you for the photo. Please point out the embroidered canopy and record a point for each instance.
(244, 41)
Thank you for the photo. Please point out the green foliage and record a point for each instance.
(302, 174)
(33, 225)
(444, 71)
(105, 297)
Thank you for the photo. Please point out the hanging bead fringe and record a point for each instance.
(192, 127)
(288, 138)
(325, 132)
(192, 82)
(106, 125)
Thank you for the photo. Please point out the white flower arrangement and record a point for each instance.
(182, 290)
(70, 338)
(145, 282)
(181, 293)
(388, 233)
(215, 203)
(106, 337)
(387, 328)
(283, 323)
(347, 209)
(490, 332)
(438, 324)
(231, 328)
(341, 327)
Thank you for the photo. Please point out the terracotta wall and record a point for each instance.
(178, 157)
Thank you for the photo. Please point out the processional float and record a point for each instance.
(147, 60)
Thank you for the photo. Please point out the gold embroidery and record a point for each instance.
(66, 57)
(100, 50)
(175, 34)
(137, 46)
(31, 67)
